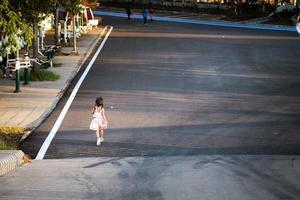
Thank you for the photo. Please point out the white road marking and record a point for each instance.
(61, 117)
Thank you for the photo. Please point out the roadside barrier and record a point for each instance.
(9, 160)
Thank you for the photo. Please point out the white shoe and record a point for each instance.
(101, 139)
(98, 141)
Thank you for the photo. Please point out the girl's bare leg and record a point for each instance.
(98, 137)
(97, 133)
(101, 135)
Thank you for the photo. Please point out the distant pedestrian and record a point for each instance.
(151, 10)
(4, 65)
(145, 14)
(298, 23)
(99, 121)
(128, 10)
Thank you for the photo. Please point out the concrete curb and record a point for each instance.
(10, 160)
(36, 123)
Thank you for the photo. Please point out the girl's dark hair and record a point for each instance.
(99, 102)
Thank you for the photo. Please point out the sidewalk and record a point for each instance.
(205, 177)
(36, 101)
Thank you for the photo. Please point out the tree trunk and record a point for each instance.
(57, 34)
(35, 50)
(74, 35)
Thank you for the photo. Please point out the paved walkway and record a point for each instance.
(156, 178)
(30, 107)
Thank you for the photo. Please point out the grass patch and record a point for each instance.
(7, 144)
(12, 130)
(10, 137)
(42, 75)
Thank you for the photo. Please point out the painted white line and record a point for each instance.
(63, 113)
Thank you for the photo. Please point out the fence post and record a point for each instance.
(26, 76)
(17, 81)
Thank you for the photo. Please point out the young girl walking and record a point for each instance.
(99, 121)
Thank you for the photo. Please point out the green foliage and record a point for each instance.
(7, 144)
(16, 18)
(14, 32)
(71, 5)
(32, 10)
(44, 75)
(10, 136)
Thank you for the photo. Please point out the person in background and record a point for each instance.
(151, 10)
(145, 14)
(128, 10)
(4, 65)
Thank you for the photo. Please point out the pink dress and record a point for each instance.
(98, 122)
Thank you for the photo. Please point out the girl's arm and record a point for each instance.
(104, 116)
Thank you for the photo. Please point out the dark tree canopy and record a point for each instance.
(14, 31)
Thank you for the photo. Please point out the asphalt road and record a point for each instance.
(194, 113)
(173, 89)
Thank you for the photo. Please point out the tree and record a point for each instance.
(17, 16)
(33, 11)
(72, 6)
(14, 32)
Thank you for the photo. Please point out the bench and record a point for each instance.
(14, 64)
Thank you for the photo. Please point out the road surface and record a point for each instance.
(195, 112)
(178, 89)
